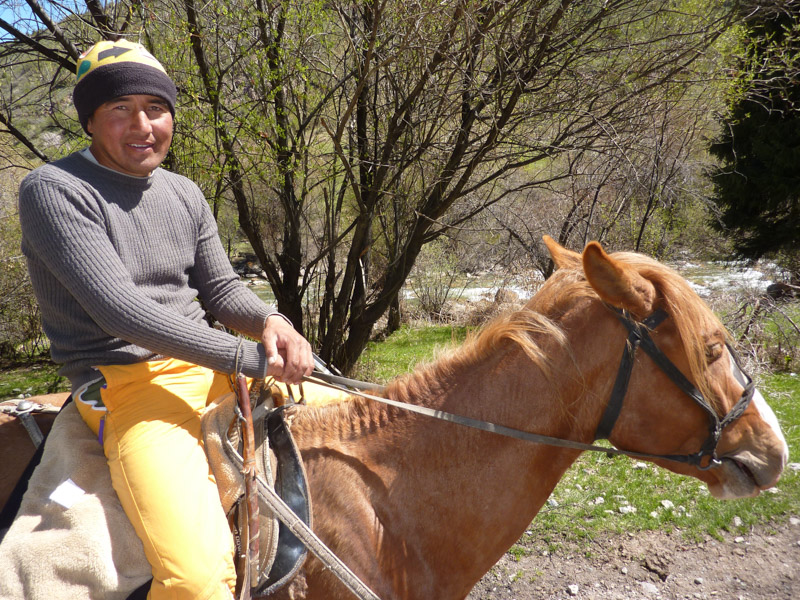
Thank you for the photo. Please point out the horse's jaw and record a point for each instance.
(735, 479)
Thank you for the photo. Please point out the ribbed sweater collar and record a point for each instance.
(84, 161)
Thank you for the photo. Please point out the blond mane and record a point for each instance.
(522, 328)
(690, 315)
(693, 319)
(518, 328)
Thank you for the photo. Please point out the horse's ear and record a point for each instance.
(563, 258)
(617, 283)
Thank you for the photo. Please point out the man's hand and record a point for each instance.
(289, 356)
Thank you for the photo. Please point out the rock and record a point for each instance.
(648, 588)
(573, 589)
(504, 296)
(782, 290)
(668, 504)
(698, 580)
(627, 509)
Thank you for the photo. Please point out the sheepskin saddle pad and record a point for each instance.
(71, 539)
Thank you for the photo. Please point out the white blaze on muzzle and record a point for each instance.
(764, 410)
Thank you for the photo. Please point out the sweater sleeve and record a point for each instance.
(64, 230)
(221, 290)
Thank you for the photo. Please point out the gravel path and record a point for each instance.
(762, 565)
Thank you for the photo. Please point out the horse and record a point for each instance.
(420, 507)
(423, 508)
(16, 444)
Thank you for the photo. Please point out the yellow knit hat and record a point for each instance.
(110, 69)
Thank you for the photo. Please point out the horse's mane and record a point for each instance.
(523, 327)
(693, 319)
(513, 328)
(519, 328)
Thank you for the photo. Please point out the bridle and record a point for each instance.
(638, 337)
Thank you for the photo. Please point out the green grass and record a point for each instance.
(38, 378)
(404, 349)
(662, 500)
(594, 492)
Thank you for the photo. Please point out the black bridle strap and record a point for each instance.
(639, 337)
(620, 389)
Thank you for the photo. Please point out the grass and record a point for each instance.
(41, 377)
(602, 494)
(404, 349)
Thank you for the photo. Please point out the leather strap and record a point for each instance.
(494, 428)
(251, 494)
(620, 389)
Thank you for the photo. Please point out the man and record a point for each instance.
(119, 250)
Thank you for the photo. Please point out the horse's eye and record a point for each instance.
(713, 351)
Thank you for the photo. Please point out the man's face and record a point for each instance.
(131, 134)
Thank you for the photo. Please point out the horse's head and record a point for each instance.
(693, 413)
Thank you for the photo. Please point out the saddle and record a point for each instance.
(280, 467)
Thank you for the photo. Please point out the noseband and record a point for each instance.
(639, 337)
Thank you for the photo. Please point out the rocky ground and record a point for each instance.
(762, 565)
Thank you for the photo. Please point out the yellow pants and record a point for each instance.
(153, 443)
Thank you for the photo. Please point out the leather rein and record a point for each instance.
(638, 337)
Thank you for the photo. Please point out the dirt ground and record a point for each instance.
(762, 565)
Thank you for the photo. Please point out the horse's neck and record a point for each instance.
(427, 496)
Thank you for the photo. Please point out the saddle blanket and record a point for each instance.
(71, 539)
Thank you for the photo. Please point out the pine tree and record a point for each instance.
(757, 184)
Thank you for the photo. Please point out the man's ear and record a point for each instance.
(617, 283)
(563, 258)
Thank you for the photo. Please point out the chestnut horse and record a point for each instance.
(16, 445)
(421, 508)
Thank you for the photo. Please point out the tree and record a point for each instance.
(757, 184)
(20, 328)
(350, 135)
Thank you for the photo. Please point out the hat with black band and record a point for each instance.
(111, 69)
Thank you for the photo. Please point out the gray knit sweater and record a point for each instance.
(117, 264)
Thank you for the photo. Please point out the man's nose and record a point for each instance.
(141, 121)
